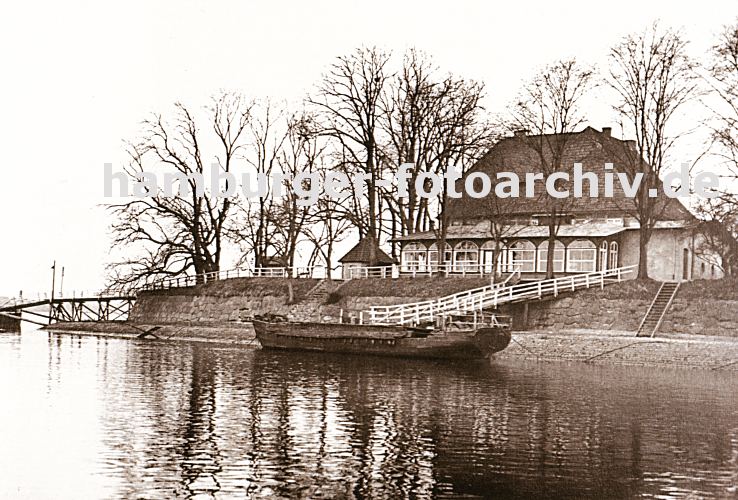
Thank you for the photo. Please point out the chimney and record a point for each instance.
(607, 131)
(522, 132)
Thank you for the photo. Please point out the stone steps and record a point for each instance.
(306, 309)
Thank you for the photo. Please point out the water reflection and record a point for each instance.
(194, 421)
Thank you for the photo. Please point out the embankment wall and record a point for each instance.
(704, 307)
(237, 299)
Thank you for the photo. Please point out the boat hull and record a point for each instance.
(380, 340)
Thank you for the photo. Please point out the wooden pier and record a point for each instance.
(69, 309)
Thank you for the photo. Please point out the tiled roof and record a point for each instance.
(589, 147)
(362, 252)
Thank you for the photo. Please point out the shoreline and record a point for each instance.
(573, 345)
(624, 348)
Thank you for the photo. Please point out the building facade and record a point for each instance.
(593, 233)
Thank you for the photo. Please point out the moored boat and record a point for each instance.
(383, 340)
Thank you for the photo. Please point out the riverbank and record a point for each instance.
(670, 350)
(581, 346)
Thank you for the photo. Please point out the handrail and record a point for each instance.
(238, 272)
(489, 296)
(653, 302)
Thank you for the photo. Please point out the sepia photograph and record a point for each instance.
(385, 250)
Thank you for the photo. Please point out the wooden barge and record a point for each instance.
(383, 340)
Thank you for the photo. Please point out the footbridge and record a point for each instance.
(102, 307)
(490, 297)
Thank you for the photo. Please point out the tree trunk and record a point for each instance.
(644, 236)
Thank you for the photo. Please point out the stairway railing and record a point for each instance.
(489, 296)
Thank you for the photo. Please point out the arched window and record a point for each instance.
(433, 256)
(581, 256)
(414, 257)
(466, 257)
(522, 256)
(603, 255)
(613, 255)
(558, 258)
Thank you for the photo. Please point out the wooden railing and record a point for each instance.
(491, 296)
(448, 268)
(360, 272)
(255, 272)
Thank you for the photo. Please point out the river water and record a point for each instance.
(107, 418)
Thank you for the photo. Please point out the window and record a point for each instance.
(613, 255)
(558, 258)
(581, 256)
(522, 256)
(603, 255)
(433, 256)
(487, 256)
(466, 257)
(414, 257)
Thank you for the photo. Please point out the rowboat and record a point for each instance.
(383, 340)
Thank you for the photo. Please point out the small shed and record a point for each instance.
(366, 260)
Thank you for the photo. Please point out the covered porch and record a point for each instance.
(579, 248)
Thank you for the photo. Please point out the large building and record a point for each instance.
(594, 233)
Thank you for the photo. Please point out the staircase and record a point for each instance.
(489, 297)
(305, 309)
(656, 312)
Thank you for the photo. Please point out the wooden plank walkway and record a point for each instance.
(489, 297)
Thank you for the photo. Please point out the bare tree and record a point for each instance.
(718, 233)
(724, 82)
(347, 103)
(251, 227)
(653, 77)
(548, 111)
(326, 228)
(184, 232)
(433, 123)
(301, 155)
(502, 225)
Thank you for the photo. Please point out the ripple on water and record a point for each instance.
(144, 420)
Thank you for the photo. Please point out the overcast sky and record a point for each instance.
(78, 76)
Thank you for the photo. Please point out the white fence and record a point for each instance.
(491, 296)
(257, 272)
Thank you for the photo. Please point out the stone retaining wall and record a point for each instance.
(232, 300)
(203, 308)
(698, 309)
